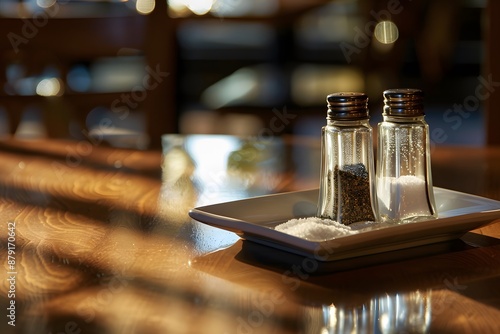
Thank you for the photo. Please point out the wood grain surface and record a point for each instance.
(104, 244)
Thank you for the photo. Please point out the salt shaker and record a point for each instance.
(347, 184)
(404, 180)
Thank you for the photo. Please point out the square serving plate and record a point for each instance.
(254, 219)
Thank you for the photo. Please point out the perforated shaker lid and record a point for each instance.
(403, 102)
(347, 106)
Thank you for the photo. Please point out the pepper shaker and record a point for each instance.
(404, 180)
(347, 183)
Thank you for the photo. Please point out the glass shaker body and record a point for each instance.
(404, 178)
(347, 184)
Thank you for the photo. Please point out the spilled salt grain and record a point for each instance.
(315, 229)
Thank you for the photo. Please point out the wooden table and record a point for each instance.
(101, 242)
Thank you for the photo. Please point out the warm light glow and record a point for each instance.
(223, 8)
(311, 83)
(49, 87)
(145, 6)
(45, 3)
(240, 86)
(386, 32)
(177, 8)
(332, 316)
(199, 7)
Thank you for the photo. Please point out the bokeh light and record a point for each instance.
(198, 7)
(49, 87)
(145, 6)
(45, 3)
(386, 32)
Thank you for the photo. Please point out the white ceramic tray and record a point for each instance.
(254, 219)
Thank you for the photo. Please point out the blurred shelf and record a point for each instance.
(68, 9)
(67, 37)
(89, 33)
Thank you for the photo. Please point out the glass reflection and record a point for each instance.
(222, 168)
(392, 313)
(200, 170)
(210, 155)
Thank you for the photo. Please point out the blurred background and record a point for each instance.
(124, 72)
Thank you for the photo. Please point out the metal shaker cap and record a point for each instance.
(347, 106)
(403, 102)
